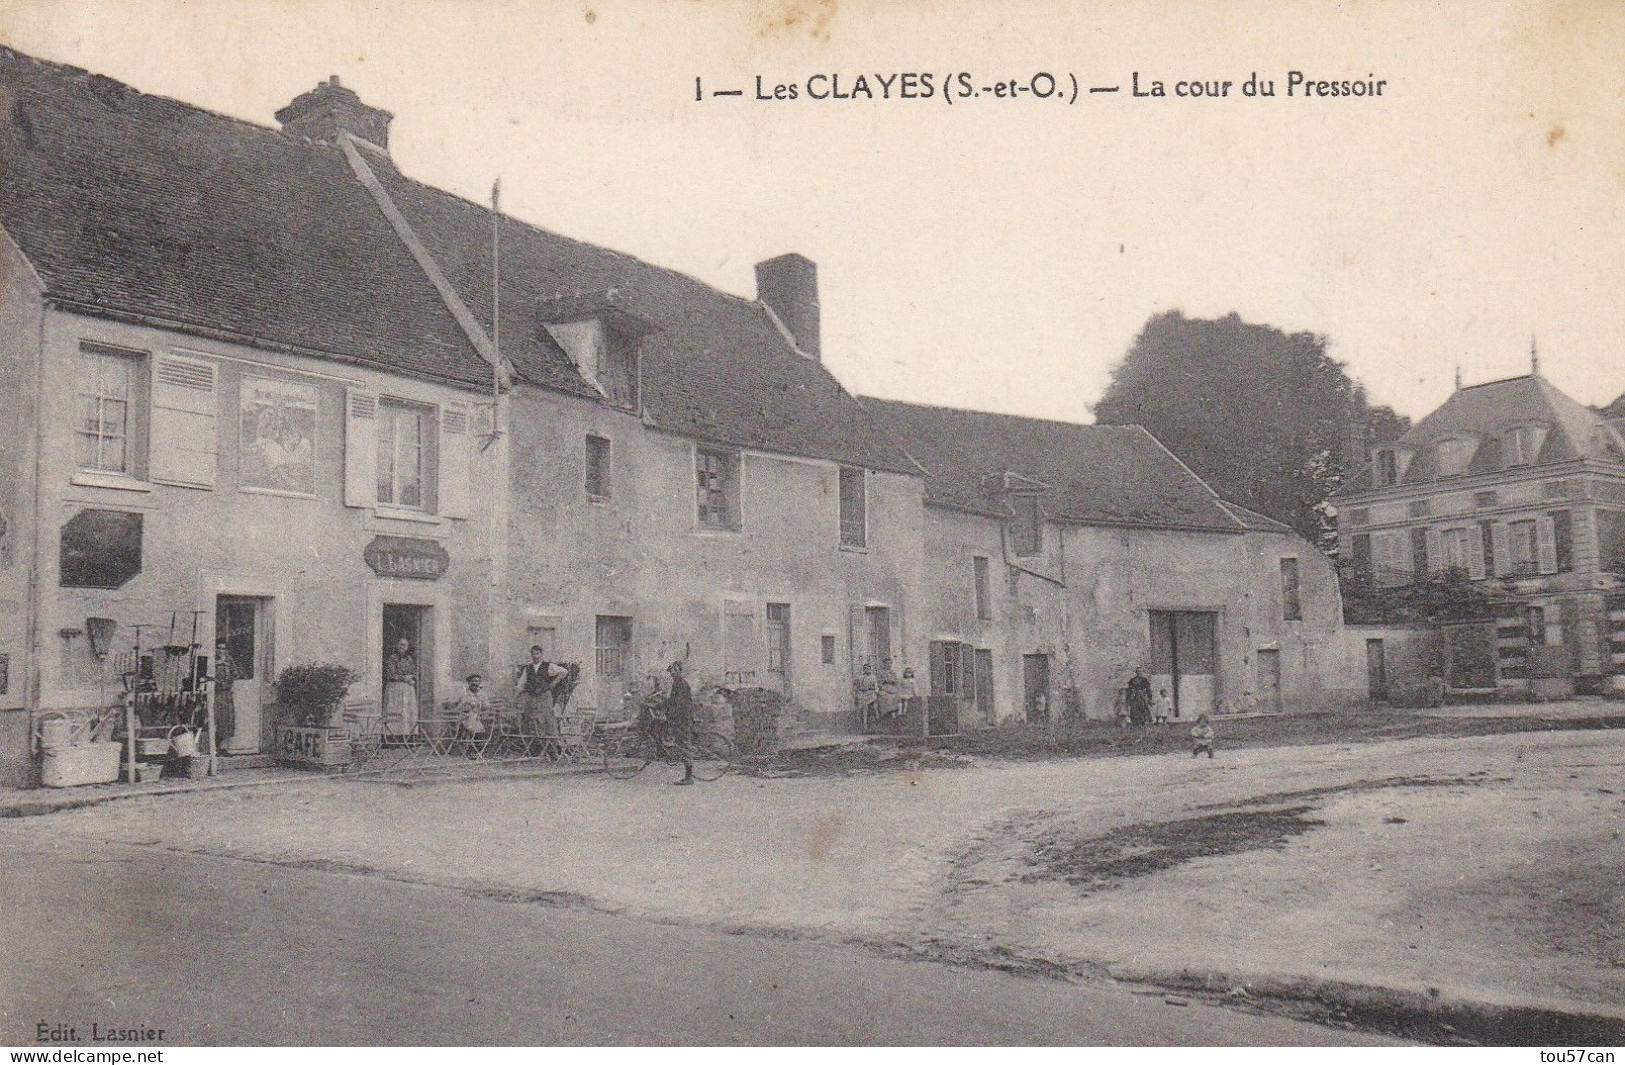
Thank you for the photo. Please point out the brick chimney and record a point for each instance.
(320, 113)
(788, 285)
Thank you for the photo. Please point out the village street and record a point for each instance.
(1478, 870)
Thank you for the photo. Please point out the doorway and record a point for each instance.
(1376, 672)
(243, 622)
(778, 648)
(878, 619)
(415, 625)
(1035, 679)
(1269, 681)
(1184, 659)
(984, 684)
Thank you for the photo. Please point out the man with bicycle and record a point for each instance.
(668, 723)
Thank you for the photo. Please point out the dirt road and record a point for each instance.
(1475, 869)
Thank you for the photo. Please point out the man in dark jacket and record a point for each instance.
(680, 719)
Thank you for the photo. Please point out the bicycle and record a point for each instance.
(633, 750)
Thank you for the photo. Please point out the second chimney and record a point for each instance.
(320, 113)
(788, 285)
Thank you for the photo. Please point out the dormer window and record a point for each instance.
(1452, 454)
(1521, 444)
(603, 339)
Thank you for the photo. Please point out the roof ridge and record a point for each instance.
(576, 241)
(83, 75)
(1001, 414)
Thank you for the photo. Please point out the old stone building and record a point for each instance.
(1064, 556)
(1519, 491)
(257, 384)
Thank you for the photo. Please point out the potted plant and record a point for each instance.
(311, 694)
(309, 698)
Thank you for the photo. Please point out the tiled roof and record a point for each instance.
(1256, 522)
(1485, 412)
(140, 206)
(1098, 474)
(716, 366)
(136, 205)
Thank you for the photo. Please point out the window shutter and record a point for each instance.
(1435, 551)
(939, 672)
(455, 461)
(1475, 554)
(1546, 544)
(360, 448)
(857, 646)
(1503, 549)
(182, 425)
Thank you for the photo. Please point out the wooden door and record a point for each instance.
(1269, 681)
(1376, 672)
(1035, 681)
(241, 622)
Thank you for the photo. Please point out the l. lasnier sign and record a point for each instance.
(406, 556)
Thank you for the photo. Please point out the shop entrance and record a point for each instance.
(244, 623)
(415, 625)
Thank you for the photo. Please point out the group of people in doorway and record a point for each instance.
(886, 695)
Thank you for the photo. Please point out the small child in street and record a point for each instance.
(1202, 737)
(1165, 706)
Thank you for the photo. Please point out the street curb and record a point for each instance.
(1429, 1016)
(51, 805)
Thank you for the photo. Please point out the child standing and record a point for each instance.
(1202, 737)
(1165, 706)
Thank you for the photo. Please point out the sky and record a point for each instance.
(1002, 253)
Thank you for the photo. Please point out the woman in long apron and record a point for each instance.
(401, 690)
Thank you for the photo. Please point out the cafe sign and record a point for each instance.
(407, 556)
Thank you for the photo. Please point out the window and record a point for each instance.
(1486, 532)
(107, 409)
(618, 369)
(717, 481)
(1456, 548)
(402, 440)
(1027, 527)
(1451, 456)
(1362, 553)
(826, 649)
(1536, 617)
(984, 596)
(1523, 542)
(598, 479)
(1521, 445)
(1387, 468)
(1563, 540)
(1611, 540)
(854, 508)
(1419, 552)
(613, 646)
(1291, 592)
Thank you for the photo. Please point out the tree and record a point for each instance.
(1267, 418)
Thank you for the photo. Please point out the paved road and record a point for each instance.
(220, 951)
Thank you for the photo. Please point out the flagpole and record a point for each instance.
(496, 304)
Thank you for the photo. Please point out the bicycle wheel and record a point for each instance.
(625, 757)
(713, 755)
